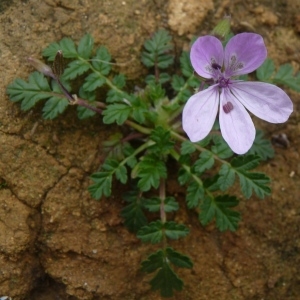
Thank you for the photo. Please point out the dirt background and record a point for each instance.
(58, 243)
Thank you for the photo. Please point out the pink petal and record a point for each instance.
(266, 101)
(244, 53)
(199, 113)
(205, 51)
(236, 126)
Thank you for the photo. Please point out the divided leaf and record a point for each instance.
(151, 233)
(187, 147)
(150, 170)
(249, 181)
(266, 70)
(66, 45)
(154, 232)
(75, 68)
(220, 209)
(166, 279)
(157, 49)
(85, 46)
(162, 139)
(134, 217)
(154, 204)
(205, 161)
(116, 112)
(29, 93)
(221, 148)
(54, 106)
(261, 146)
(103, 179)
(92, 82)
(285, 75)
(195, 193)
(101, 62)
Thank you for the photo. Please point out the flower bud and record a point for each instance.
(223, 28)
(41, 67)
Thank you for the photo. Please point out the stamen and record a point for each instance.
(228, 107)
(215, 66)
(235, 64)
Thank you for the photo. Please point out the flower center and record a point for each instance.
(223, 82)
(218, 76)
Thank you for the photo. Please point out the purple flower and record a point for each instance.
(243, 54)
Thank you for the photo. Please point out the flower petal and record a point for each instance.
(266, 101)
(244, 53)
(205, 51)
(236, 125)
(199, 113)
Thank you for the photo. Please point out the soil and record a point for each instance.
(56, 242)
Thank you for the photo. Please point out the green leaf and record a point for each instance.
(154, 204)
(220, 209)
(187, 147)
(162, 139)
(178, 259)
(92, 82)
(185, 63)
(170, 205)
(166, 281)
(121, 174)
(54, 106)
(249, 181)
(265, 71)
(29, 93)
(155, 92)
(101, 62)
(115, 96)
(177, 82)
(205, 161)
(103, 179)
(184, 176)
(150, 170)
(134, 217)
(257, 182)
(139, 109)
(85, 46)
(175, 231)
(195, 193)
(205, 141)
(285, 75)
(154, 232)
(156, 50)
(153, 262)
(119, 81)
(102, 184)
(74, 69)
(184, 95)
(226, 178)
(116, 112)
(261, 146)
(162, 78)
(151, 233)
(84, 112)
(245, 162)
(66, 45)
(221, 148)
